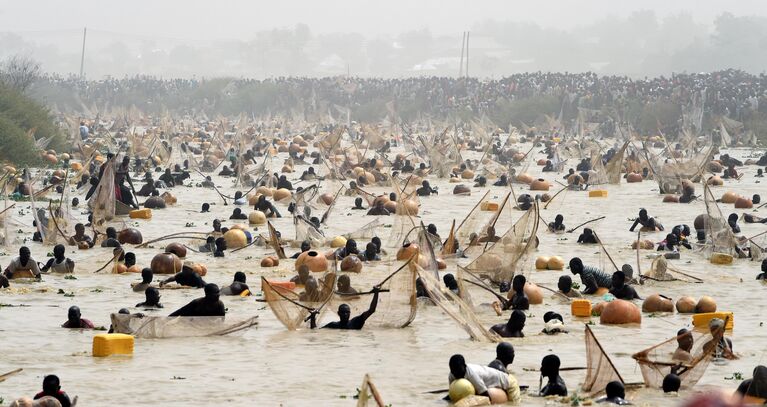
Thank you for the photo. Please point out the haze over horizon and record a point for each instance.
(177, 38)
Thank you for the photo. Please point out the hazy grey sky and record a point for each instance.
(230, 19)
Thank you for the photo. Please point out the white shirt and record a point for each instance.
(484, 377)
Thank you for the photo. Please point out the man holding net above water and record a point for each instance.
(344, 313)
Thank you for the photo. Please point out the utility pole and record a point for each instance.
(82, 56)
(463, 44)
(467, 53)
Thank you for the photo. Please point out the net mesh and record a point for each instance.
(599, 368)
(102, 202)
(147, 327)
(615, 165)
(719, 235)
(397, 303)
(659, 360)
(512, 253)
(287, 305)
(455, 307)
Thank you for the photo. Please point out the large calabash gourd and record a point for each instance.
(705, 304)
(656, 303)
(686, 305)
(166, 263)
(281, 194)
(130, 236)
(540, 184)
(407, 251)
(534, 293)
(235, 238)
(316, 262)
(619, 312)
(176, 248)
(257, 218)
(351, 264)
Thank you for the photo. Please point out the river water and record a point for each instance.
(270, 366)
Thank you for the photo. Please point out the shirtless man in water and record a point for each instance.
(208, 306)
(344, 312)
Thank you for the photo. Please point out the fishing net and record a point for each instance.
(147, 327)
(662, 359)
(472, 223)
(287, 305)
(598, 174)
(512, 253)
(670, 173)
(368, 231)
(719, 235)
(403, 218)
(397, 303)
(599, 368)
(455, 307)
(615, 165)
(102, 202)
(661, 270)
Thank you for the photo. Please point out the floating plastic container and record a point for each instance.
(141, 214)
(112, 344)
(721, 258)
(598, 193)
(288, 285)
(702, 320)
(489, 206)
(580, 308)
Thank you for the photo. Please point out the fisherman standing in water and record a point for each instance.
(344, 312)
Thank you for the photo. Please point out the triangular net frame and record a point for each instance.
(658, 360)
(600, 370)
(288, 307)
(397, 304)
(719, 235)
(459, 310)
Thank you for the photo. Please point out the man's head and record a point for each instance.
(303, 272)
(550, 366)
(565, 284)
(432, 228)
(51, 384)
(351, 246)
(576, 265)
(614, 390)
(358, 202)
(79, 229)
(457, 366)
(505, 353)
(212, 292)
(619, 279)
(205, 208)
(146, 275)
(559, 219)
(671, 383)
(516, 320)
(240, 277)
(450, 281)
(344, 313)
(344, 283)
(518, 283)
(58, 251)
(716, 326)
(74, 314)
(111, 233)
(684, 339)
